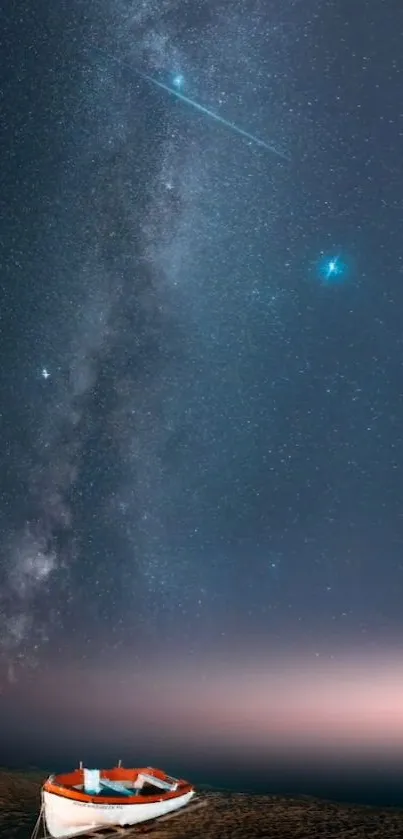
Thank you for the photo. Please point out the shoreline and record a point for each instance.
(226, 815)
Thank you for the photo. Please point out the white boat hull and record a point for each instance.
(65, 817)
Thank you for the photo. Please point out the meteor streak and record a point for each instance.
(203, 110)
(174, 91)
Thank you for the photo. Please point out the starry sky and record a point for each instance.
(201, 380)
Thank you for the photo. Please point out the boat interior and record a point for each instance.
(117, 783)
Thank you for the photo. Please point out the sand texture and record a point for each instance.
(219, 816)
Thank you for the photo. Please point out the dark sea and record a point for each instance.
(370, 789)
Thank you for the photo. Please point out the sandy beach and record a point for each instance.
(219, 815)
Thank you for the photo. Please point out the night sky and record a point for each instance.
(201, 388)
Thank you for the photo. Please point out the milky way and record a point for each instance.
(120, 250)
(112, 321)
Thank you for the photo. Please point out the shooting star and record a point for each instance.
(174, 91)
(251, 137)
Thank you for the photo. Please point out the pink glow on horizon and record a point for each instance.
(265, 707)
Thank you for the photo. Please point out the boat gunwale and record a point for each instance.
(62, 785)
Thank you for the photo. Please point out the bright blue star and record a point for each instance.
(333, 267)
(178, 81)
(45, 373)
(332, 270)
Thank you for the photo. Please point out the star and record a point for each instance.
(45, 373)
(332, 269)
(178, 81)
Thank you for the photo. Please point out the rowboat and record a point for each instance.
(90, 799)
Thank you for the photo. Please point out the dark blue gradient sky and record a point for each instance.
(201, 461)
